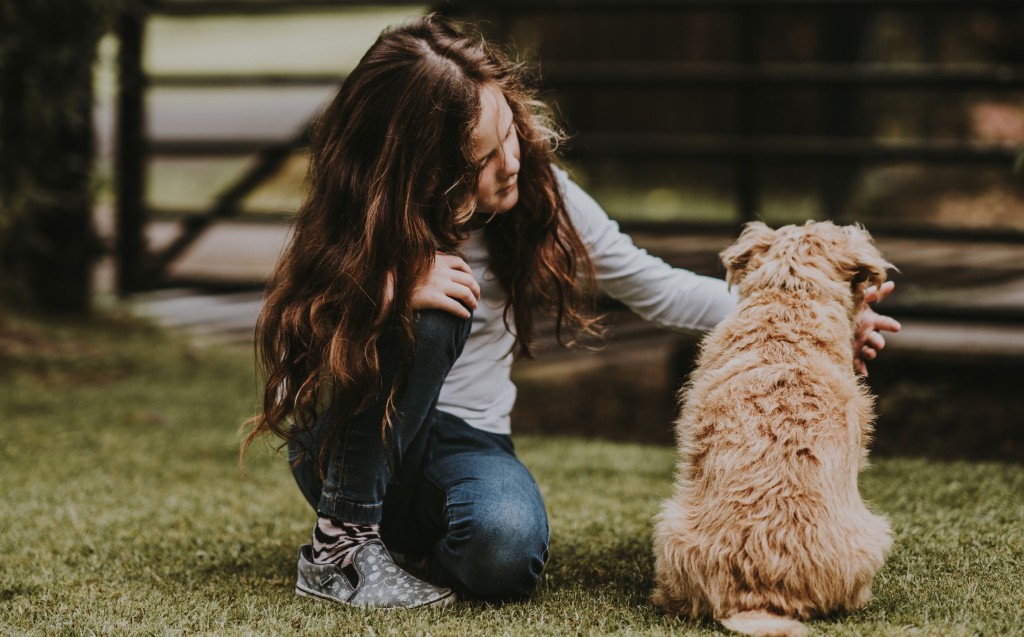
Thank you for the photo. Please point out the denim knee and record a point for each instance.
(497, 553)
(440, 334)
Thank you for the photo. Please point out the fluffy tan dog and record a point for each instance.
(766, 524)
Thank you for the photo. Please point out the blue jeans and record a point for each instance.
(439, 488)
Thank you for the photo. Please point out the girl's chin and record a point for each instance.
(502, 201)
(507, 198)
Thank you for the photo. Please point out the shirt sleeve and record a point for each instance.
(670, 297)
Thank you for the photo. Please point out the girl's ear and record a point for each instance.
(744, 255)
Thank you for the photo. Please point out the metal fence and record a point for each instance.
(745, 77)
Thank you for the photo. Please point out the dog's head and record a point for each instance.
(815, 256)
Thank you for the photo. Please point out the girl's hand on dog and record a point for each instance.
(868, 340)
(449, 286)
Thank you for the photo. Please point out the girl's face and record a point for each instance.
(496, 148)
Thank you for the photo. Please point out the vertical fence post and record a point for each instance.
(844, 114)
(131, 244)
(747, 195)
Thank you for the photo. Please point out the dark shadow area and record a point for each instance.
(936, 406)
(949, 409)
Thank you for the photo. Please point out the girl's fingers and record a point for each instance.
(447, 304)
(887, 323)
(875, 340)
(874, 294)
(450, 286)
(459, 271)
(456, 308)
(454, 262)
(462, 293)
(870, 325)
(468, 281)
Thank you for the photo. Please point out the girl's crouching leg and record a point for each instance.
(496, 543)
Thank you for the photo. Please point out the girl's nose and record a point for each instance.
(510, 166)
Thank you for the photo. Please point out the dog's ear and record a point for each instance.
(743, 256)
(866, 266)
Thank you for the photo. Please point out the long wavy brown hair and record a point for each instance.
(392, 181)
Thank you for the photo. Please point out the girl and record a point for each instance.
(436, 226)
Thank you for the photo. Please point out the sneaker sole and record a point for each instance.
(444, 601)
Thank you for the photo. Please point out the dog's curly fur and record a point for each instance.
(766, 525)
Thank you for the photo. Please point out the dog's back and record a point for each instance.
(767, 521)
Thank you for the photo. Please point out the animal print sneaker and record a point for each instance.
(372, 580)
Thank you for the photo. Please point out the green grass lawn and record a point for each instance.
(124, 512)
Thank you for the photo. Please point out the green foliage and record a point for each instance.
(125, 513)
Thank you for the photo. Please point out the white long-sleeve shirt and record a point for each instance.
(479, 388)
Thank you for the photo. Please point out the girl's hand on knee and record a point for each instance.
(449, 286)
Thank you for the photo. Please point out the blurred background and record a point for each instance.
(174, 132)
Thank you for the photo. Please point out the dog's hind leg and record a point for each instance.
(675, 591)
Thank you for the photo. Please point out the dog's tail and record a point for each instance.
(761, 623)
